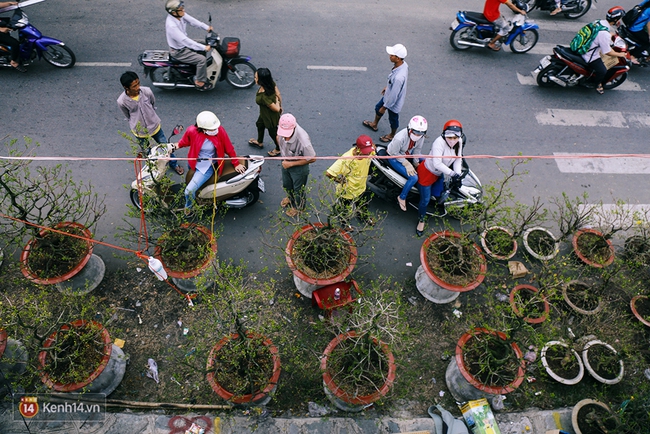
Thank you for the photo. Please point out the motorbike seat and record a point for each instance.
(381, 151)
(227, 173)
(571, 55)
(477, 17)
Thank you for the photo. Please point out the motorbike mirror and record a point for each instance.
(210, 18)
(177, 130)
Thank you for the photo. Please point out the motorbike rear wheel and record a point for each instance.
(458, 35)
(59, 56)
(525, 41)
(252, 194)
(583, 8)
(241, 74)
(616, 82)
(160, 75)
(542, 77)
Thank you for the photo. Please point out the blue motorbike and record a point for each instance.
(472, 29)
(33, 44)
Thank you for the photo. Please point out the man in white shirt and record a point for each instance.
(183, 48)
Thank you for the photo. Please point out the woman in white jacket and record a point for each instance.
(443, 162)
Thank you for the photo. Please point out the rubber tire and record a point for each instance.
(135, 198)
(573, 16)
(247, 68)
(59, 50)
(531, 4)
(613, 84)
(252, 195)
(456, 36)
(157, 75)
(546, 71)
(532, 35)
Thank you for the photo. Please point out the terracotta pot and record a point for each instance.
(307, 284)
(24, 256)
(486, 248)
(487, 388)
(260, 397)
(591, 367)
(348, 401)
(557, 376)
(71, 387)
(188, 274)
(633, 302)
(586, 260)
(556, 248)
(603, 412)
(516, 309)
(566, 294)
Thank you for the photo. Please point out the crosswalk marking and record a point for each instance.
(628, 85)
(592, 118)
(606, 165)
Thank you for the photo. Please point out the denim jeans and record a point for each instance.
(195, 183)
(159, 137)
(410, 180)
(426, 192)
(393, 118)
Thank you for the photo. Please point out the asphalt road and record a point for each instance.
(73, 112)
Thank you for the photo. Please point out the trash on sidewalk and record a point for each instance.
(479, 417)
(119, 342)
(316, 410)
(152, 372)
(194, 429)
(517, 269)
(556, 431)
(497, 402)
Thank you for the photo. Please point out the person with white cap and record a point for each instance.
(393, 94)
(351, 174)
(297, 153)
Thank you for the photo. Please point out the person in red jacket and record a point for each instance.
(207, 140)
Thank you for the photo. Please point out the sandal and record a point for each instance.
(274, 153)
(19, 68)
(369, 125)
(494, 48)
(179, 169)
(386, 138)
(600, 89)
(255, 143)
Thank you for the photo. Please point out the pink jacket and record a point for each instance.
(194, 139)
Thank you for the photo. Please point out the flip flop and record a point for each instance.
(179, 170)
(274, 152)
(402, 203)
(255, 143)
(369, 125)
(385, 138)
(600, 89)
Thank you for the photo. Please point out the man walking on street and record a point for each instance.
(393, 94)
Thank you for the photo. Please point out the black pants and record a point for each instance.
(644, 41)
(7, 39)
(601, 74)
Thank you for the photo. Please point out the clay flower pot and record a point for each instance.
(102, 375)
(525, 303)
(592, 248)
(640, 306)
(581, 298)
(602, 362)
(540, 243)
(562, 363)
(449, 265)
(348, 400)
(267, 385)
(305, 250)
(499, 243)
(589, 417)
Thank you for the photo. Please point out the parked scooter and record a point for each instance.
(472, 29)
(571, 9)
(168, 73)
(233, 190)
(633, 45)
(386, 183)
(565, 68)
(33, 44)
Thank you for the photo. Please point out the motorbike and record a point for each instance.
(472, 29)
(233, 190)
(387, 184)
(634, 45)
(571, 9)
(33, 44)
(224, 63)
(566, 68)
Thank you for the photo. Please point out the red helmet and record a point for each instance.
(615, 14)
(454, 128)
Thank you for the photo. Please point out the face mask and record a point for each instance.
(211, 132)
(451, 141)
(415, 137)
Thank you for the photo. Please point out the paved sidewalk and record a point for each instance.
(528, 422)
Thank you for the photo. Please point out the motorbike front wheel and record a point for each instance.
(542, 77)
(241, 74)
(59, 56)
(616, 82)
(524, 41)
(582, 8)
(458, 35)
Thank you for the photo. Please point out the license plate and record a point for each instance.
(260, 185)
(454, 24)
(545, 62)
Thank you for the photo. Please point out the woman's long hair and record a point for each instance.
(265, 80)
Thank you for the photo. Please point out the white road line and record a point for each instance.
(544, 49)
(621, 215)
(103, 64)
(338, 68)
(605, 165)
(527, 80)
(593, 118)
(558, 25)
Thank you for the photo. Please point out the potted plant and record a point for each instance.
(450, 264)
(13, 361)
(186, 253)
(540, 243)
(487, 363)
(640, 306)
(528, 303)
(592, 248)
(594, 417)
(499, 243)
(602, 362)
(582, 298)
(562, 363)
(79, 356)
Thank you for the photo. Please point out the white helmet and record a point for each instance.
(173, 5)
(207, 120)
(418, 125)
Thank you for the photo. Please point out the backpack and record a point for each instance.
(582, 41)
(633, 14)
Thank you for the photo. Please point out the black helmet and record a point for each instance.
(615, 14)
(521, 5)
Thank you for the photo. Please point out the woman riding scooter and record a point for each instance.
(431, 174)
(207, 139)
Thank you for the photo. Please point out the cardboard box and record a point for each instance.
(479, 417)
